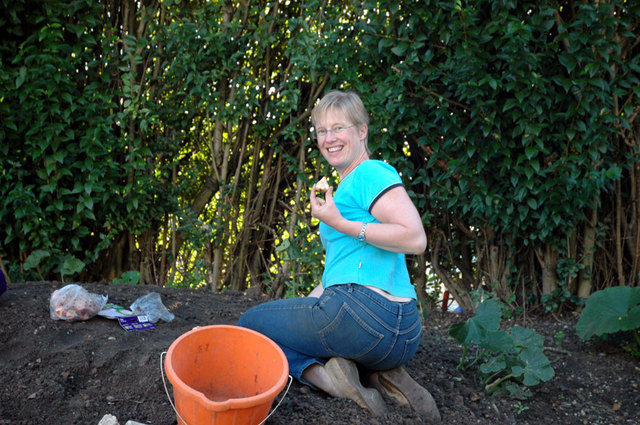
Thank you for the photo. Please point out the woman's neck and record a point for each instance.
(347, 170)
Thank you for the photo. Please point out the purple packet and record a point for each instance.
(135, 323)
(3, 283)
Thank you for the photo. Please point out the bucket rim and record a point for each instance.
(231, 403)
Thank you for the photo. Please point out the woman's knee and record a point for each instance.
(247, 318)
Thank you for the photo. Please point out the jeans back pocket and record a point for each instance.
(348, 335)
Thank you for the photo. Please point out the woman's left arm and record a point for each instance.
(400, 228)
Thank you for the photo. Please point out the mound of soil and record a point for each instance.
(56, 372)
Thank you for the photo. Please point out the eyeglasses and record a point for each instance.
(321, 134)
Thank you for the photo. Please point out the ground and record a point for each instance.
(57, 372)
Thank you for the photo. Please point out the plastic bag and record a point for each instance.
(151, 305)
(73, 302)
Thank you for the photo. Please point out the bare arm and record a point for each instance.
(400, 228)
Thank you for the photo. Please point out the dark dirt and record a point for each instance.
(55, 372)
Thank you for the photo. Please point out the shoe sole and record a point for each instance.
(344, 375)
(388, 390)
(400, 386)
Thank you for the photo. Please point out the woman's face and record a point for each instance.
(344, 150)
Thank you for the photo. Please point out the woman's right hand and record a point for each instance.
(325, 209)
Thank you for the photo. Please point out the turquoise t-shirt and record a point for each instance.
(347, 259)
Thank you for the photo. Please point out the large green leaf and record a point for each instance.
(34, 259)
(610, 310)
(71, 266)
(473, 331)
(498, 341)
(535, 367)
(495, 364)
(526, 338)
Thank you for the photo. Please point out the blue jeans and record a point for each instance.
(348, 321)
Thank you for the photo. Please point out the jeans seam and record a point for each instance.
(394, 329)
(345, 309)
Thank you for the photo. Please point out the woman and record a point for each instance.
(364, 313)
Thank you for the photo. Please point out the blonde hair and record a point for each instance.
(347, 102)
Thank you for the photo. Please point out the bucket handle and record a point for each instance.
(166, 390)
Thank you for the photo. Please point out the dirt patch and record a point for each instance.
(54, 372)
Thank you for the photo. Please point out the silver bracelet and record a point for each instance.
(361, 236)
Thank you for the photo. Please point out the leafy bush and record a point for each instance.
(509, 361)
(176, 142)
(609, 311)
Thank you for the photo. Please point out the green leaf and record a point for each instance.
(510, 103)
(526, 338)
(400, 49)
(71, 266)
(22, 75)
(610, 310)
(531, 151)
(535, 367)
(568, 61)
(130, 278)
(34, 259)
(498, 341)
(473, 331)
(286, 243)
(67, 97)
(495, 364)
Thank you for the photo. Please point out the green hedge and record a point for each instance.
(172, 138)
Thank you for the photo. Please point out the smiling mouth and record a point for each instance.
(335, 149)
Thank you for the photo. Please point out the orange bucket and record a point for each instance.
(223, 374)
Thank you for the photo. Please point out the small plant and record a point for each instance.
(611, 310)
(130, 278)
(520, 408)
(509, 361)
(71, 266)
(559, 337)
(65, 264)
